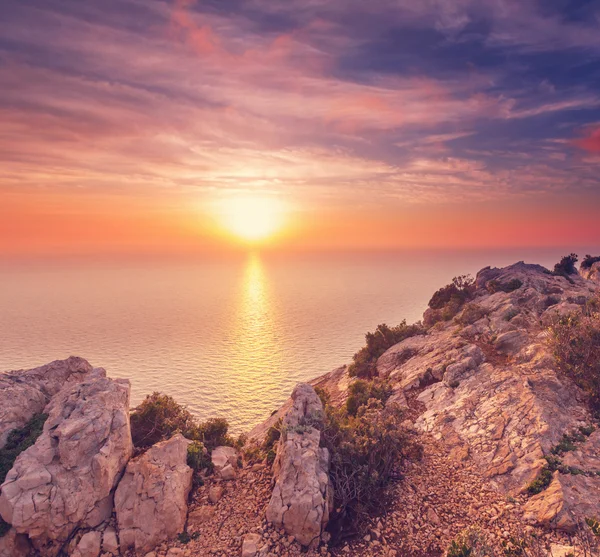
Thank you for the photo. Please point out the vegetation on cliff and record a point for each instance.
(18, 440)
(365, 445)
(364, 363)
(574, 341)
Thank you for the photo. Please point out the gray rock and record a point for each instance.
(302, 496)
(151, 499)
(65, 481)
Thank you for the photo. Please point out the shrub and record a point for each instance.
(541, 482)
(198, 458)
(214, 433)
(384, 337)
(460, 289)
(472, 313)
(494, 286)
(566, 266)
(18, 440)
(360, 392)
(594, 526)
(364, 449)
(472, 542)
(159, 417)
(588, 261)
(574, 341)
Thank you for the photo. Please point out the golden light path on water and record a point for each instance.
(255, 344)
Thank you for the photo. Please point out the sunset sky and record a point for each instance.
(133, 126)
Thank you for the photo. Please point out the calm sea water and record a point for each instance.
(226, 338)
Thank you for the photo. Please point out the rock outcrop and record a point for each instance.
(491, 391)
(302, 496)
(592, 272)
(25, 393)
(151, 499)
(66, 479)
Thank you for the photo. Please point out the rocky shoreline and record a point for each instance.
(480, 390)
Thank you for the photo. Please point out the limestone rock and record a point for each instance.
(224, 460)
(302, 495)
(25, 393)
(215, 493)
(89, 545)
(110, 543)
(250, 545)
(491, 390)
(151, 499)
(13, 544)
(592, 273)
(65, 481)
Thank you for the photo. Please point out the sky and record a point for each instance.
(130, 126)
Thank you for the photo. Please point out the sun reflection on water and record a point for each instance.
(254, 351)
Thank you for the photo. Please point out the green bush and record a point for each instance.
(365, 447)
(472, 542)
(588, 261)
(360, 392)
(541, 482)
(18, 440)
(214, 433)
(574, 341)
(494, 286)
(159, 417)
(459, 290)
(566, 266)
(384, 337)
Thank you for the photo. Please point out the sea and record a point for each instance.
(225, 336)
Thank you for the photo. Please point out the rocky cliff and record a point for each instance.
(509, 447)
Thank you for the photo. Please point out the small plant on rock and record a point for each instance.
(574, 342)
(18, 440)
(360, 392)
(472, 542)
(588, 261)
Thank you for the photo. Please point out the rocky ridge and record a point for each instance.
(480, 389)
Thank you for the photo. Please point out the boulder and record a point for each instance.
(215, 493)
(151, 499)
(66, 479)
(89, 545)
(110, 543)
(13, 544)
(591, 273)
(25, 393)
(250, 545)
(224, 460)
(302, 496)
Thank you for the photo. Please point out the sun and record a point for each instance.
(253, 219)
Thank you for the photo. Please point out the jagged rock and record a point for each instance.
(250, 545)
(224, 460)
(13, 544)
(89, 545)
(565, 503)
(501, 401)
(201, 515)
(110, 543)
(25, 393)
(215, 493)
(302, 494)
(65, 481)
(592, 273)
(151, 499)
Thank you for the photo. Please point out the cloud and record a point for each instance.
(590, 141)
